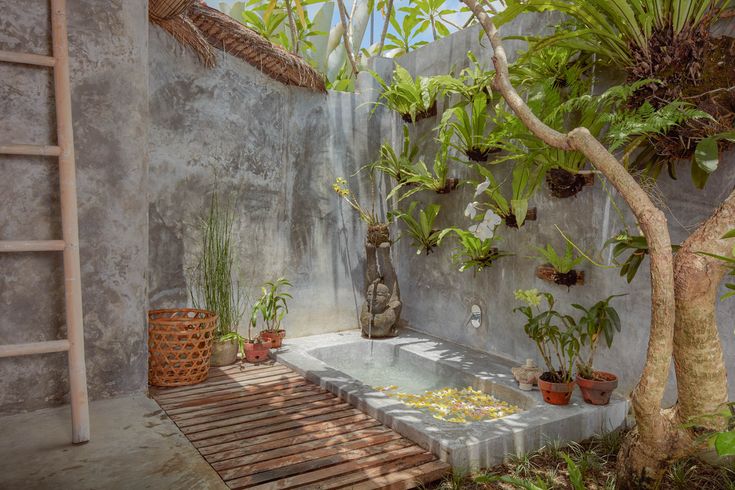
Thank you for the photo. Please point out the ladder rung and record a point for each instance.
(32, 246)
(34, 348)
(40, 150)
(27, 58)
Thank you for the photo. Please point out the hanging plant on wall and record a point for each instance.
(474, 252)
(514, 211)
(559, 269)
(397, 165)
(421, 178)
(413, 99)
(424, 237)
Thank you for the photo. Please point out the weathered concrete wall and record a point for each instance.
(437, 297)
(108, 51)
(276, 150)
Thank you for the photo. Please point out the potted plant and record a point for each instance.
(559, 269)
(214, 287)
(272, 308)
(470, 124)
(397, 165)
(601, 320)
(255, 349)
(555, 339)
(419, 177)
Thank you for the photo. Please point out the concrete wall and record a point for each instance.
(108, 51)
(437, 297)
(276, 150)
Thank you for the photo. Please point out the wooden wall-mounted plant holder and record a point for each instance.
(563, 184)
(510, 220)
(571, 278)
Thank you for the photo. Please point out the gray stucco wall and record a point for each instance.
(437, 297)
(108, 58)
(276, 150)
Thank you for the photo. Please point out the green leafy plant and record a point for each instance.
(406, 35)
(552, 333)
(419, 177)
(600, 320)
(636, 246)
(470, 82)
(431, 14)
(525, 180)
(561, 263)
(707, 156)
(272, 305)
(470, 124)
(421, 228)
(214, 284)
(472, 251)
(409, 97)
(397, 165)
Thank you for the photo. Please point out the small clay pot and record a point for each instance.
(256, 351)
(597, 391)
(224, 352)
(274, 337)
(555, 393)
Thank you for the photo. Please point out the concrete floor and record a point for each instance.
(134, 446)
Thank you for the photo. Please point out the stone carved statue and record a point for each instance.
(381, 311)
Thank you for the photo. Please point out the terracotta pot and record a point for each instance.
(224, 352)
(275, 338)
(555, 393)
(256, 351)
(598, 391)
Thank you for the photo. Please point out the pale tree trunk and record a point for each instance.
(346, 34)
(701, 377)
(384, 33)
(644, 454)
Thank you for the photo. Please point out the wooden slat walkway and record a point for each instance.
(266, 427)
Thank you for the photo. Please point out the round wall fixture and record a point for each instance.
(476, 316)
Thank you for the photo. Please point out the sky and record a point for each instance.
(459, 18)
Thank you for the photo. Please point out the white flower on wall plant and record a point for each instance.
(482, 187)
(486, 228)
(471, 210)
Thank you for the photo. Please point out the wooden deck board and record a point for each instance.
(264, 426)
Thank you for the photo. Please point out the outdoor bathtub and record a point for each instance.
(353, 367)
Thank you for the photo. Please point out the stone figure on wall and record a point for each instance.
(381, 311)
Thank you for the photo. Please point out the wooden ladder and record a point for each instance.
(69, 244)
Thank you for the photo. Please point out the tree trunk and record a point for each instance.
(701, 376)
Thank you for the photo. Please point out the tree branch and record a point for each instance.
(346, 35)
(386, 24)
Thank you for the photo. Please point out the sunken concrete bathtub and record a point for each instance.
(353, 367)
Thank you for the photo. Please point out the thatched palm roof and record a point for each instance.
(202, 27)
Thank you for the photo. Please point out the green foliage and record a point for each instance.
(472, 81)
(575, 475)
(271, 306)
(419, 177)
(525, 180)
(369, 216)
(214, 285)
(404, 39)
(407, 96)
(561, 263)
(431, 14)
(553, 333)
(473, 252)
(397, 165)
(421, 228)
(614, 30)
(470, 124)
(600, 320)
(707, 156)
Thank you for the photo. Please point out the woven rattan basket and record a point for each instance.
(179, 346)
